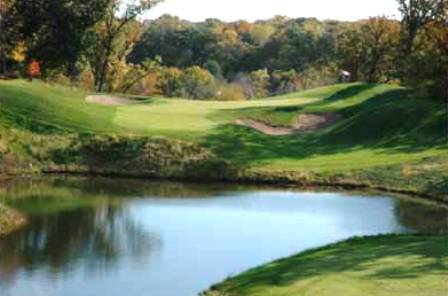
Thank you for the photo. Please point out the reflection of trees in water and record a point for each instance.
(111, 187)
(425, 218)
(98, 237)
(84, 229)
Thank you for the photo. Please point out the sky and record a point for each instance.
(251, 10)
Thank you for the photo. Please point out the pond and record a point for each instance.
(125, 237)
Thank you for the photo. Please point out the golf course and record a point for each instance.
(384, 136)
(377, 136)
(223, 148)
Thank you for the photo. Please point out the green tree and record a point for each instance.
(416, 14)
(214, 68)
(169, 80)
(197, 83)
(118, 66)
(423, 61)
(439, 33)
(111, 28)
(379, 39)
(56, 31)
(350, 50)
(260, 80)
(9, 34)
(285, 81)
(261, 33)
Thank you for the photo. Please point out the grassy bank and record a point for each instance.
(387, 265)
(10, 220)
(388, 137)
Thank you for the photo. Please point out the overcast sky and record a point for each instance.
(231, 10)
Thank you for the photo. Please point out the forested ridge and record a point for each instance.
(104, 45)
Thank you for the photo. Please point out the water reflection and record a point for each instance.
(94, 238)
(422, 217)
(112, 236)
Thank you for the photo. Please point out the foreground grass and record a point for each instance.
(392, 265)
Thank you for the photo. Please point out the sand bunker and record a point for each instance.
(304, 123)
(109, 100)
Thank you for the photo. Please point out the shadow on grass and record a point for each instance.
(350, 91)
(371, 258)
(43, 110)
(392, 120)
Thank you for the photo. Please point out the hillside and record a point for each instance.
(385, 135)
(383, 265)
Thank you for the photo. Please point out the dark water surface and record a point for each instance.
(93, 237)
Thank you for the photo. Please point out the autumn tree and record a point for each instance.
(423, 61)
(9, 35)
(119, 67)
(431, 59)
(379, 39)
(4, 7)
(350, 50)
(119, 14)
(416, 14)
(56, 32)
(439, 31)
(34, 69)
(261, 33)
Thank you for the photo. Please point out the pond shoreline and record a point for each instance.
(17, 220)
(74, 209)
(252, 179)
(267, 180)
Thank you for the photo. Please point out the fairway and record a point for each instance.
(381, 125)
(66, 108)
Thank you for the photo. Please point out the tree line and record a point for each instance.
(103, 45)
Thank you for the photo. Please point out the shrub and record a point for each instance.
(260, 80)
(214, 68)
(87, 80)
(245, 82)
(33, 70)
(317, 76)
(285, 81)
(140, 156)
(230, 92)
(60, 79)
(169, 81)
(255, 84)
(197, 83)
(147, 86)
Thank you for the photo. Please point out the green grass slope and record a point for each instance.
(386, 265)
(65, 109)
(387, 135)
(382, 125)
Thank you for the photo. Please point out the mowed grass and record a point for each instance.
(393, 265)
(66, 108)
(381, 124)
